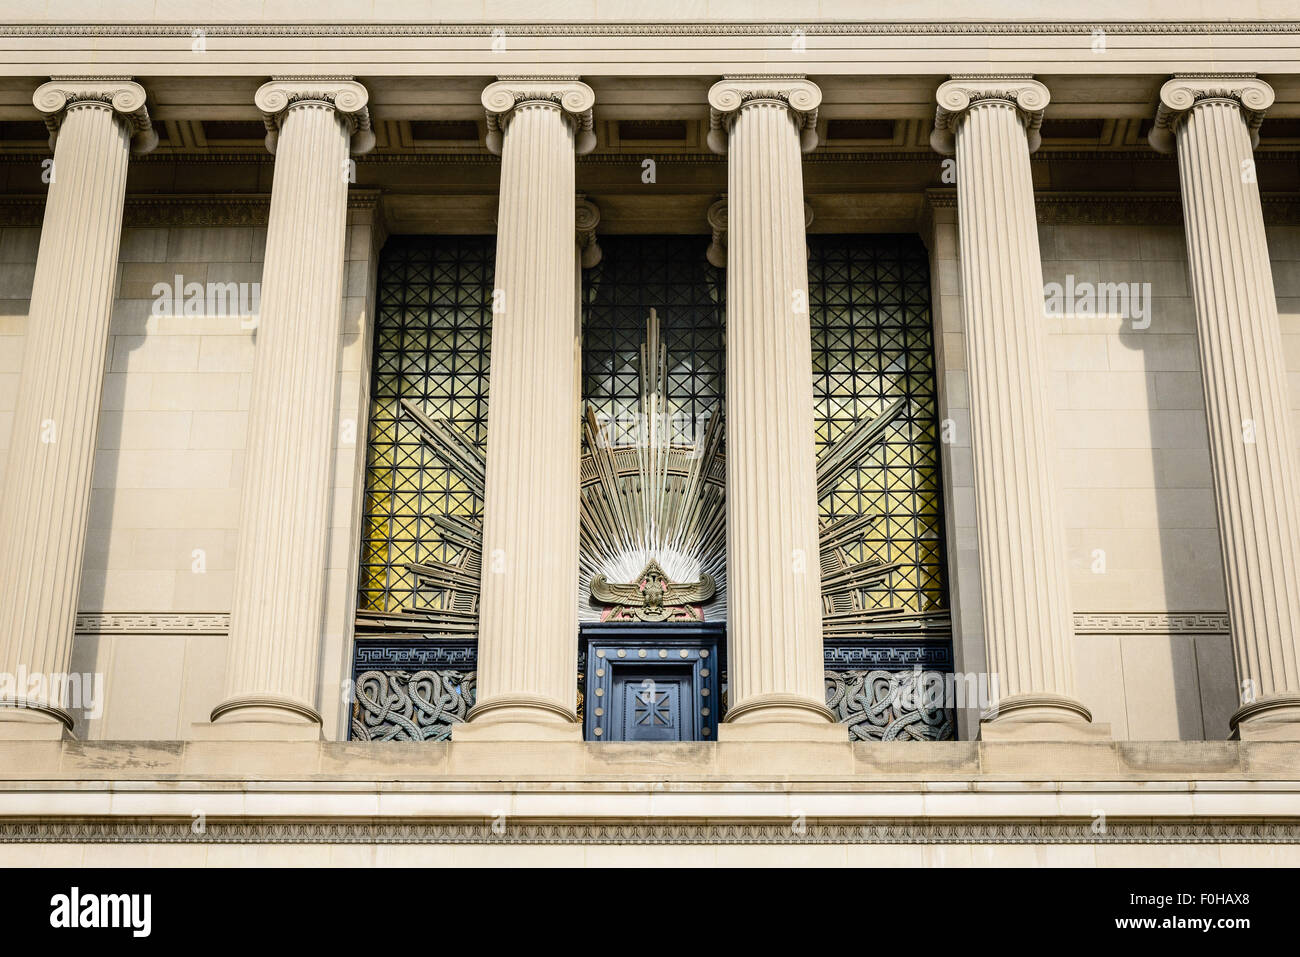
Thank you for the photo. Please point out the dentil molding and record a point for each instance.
(346, 95)
(1180, 94)
(729, 95)
(121, 94)
(958, 94)
(574, 98)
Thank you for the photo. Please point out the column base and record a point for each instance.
(1271, 719)
(781, 717)
(518, 718)
(25, 721)
(1041, 717)
(259, 718)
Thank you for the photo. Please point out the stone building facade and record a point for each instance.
(367, 496)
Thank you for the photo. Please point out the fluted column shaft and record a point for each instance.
(275, 620)
(528, 620)
(1243, 368)
(46, 497)
(775, 669)
(1028, 628)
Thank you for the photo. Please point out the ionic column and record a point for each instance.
(992, 124)
(1212, 122)
(528, 619)
(275, 620)
(94, 124)
(775, 669)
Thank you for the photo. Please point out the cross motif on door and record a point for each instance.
(653, 708)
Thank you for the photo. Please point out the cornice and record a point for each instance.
(957, 95)
(344, 94)
(570, 95)
(1062, 830)
(1183, 91)
(641, 28)
(121, 94)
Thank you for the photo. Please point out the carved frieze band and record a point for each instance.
(121, 94)
(1123, 209)
(957, 95)
(177, 210)
(1052, 28)
(1180, 94)
(870, 831)
(574, 99)
(729, 95)
(344, 94)
(1085, 623)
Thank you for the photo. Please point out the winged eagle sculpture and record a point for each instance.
(652, 597)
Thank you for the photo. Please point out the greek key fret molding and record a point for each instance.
(121, 94)
(1180, 94)
(344, 94)
(641, 28)
(153, 623)
(145, 830)
(1155, 623)
(958, 94)
(730, 95)
(570, 95)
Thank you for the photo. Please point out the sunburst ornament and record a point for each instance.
(653, 517)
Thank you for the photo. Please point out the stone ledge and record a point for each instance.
(750, 762)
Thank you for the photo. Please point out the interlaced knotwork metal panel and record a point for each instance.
(410, 706)
(873, 354)
(432, 346)
(891, 705)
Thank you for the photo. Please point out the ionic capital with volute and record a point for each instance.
(571, 96)
(1181, 93)
(731, 94)
(121, 94)
(348, 98)
(957, 95)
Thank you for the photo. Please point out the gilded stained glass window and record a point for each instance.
(873, 354)
(432, 347)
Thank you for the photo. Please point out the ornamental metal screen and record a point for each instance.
(873, 349)
(654, 337)
(432, 346)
